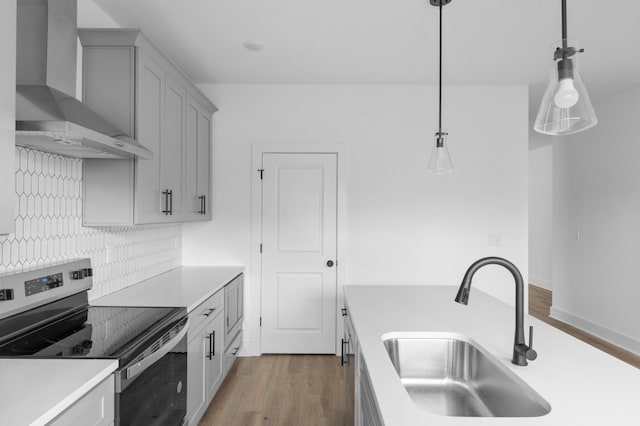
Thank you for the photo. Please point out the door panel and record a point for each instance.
(191, 153)
(300, 302)
(204, 162)
(298, 238)
(150, 98)
(171, 154)
(300, 209)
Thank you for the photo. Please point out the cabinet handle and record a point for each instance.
(210, 337)
(211, 310)
(344, 312)
(203, 204)
(168, 202)
(213, 344)
(342, 354)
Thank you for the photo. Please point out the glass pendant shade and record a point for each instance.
(440, 161)
(566, 107)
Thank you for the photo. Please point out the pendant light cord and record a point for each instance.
(564, 29)
(564, 22)
(440, 79)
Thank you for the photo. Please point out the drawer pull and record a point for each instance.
(210, 311)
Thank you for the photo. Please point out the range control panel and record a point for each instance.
(41, 284)
(34, 287)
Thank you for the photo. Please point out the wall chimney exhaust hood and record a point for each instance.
(48, 116)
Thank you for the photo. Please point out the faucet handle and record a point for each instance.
(530, 354)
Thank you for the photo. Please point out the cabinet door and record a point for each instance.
(192, 202)
(204, 366)
(172, 148)
(149, 201)
(196, 366)
(204, 163)
(214, 357)
(198, 162)
(240, 281)
(94, 408)
(7, 116)
(231, 305)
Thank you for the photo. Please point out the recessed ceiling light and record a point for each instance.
(254, 45)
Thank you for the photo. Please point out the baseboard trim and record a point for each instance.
(540, 282)
(596, 330)
(249, 348)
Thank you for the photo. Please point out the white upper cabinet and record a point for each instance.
(132, 84)
(198, 158)
(7, 116)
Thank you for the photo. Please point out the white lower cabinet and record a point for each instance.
(204, 356)
(369, 414)
(357, 382)
(215, 338)
(96, 407)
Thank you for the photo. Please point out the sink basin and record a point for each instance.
(451, 376)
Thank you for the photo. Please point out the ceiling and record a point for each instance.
(383, 41)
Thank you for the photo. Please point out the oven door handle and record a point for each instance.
(139, 367)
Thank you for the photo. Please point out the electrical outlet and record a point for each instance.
(495, 240)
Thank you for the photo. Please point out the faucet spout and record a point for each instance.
(521, 352)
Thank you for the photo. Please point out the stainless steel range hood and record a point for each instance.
(48, 116)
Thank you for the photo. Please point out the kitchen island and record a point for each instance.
(583, 385)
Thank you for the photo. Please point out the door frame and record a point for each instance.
(257, 150)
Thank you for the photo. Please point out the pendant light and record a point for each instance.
(440, 161)
(565, 107)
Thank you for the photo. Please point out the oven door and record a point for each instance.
(152, 389)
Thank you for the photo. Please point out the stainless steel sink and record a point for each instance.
(451, 376)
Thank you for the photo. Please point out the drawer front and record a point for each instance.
(206, 311)
(231, 352)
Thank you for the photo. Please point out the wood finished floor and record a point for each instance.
(539, 307)
(280, 390)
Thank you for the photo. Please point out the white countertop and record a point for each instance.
(584, 385)
(34, 391)
(186, 286)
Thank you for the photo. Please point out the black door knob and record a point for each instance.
(330, 263)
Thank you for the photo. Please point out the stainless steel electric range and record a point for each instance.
(44, 313)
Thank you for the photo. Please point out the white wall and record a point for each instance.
(405, 226)
(596, 198)
(540, 215)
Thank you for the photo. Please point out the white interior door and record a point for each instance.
(299, 210)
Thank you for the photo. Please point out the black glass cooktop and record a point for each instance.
(89, 332)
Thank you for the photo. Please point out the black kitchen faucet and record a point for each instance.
(521, 352)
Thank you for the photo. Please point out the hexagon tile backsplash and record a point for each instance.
(48, 211)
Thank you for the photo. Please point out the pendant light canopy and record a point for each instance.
(565, 107)
(440, 161)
